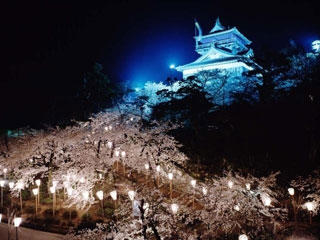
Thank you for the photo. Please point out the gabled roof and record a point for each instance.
(214, 50)
(205, 60)
(231, 30)
(217, 27)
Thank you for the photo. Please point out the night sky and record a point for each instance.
(47, 46)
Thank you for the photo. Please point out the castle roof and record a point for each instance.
(217, 27)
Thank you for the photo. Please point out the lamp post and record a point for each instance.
(248, 186)
(85, 196)
(291, 193)
(11, 185)
(204, 191)
(117, 154)
(100, 196)
(230, 184)
(17, 222)
(2, 185)
(193, 184)
(158, 173)
(113, 195)
(146, 166)
(20, 186)
(131, 195)
(310, 206)
(170, 176)
(53, 192)
(172, 66)
(36, 193)
(69, 191)
(174, 209)
(38, 182)
(123, 156)
(65, 186)
(5, 173)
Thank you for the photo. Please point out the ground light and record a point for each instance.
(310, 206)
(291, 193)
(17, 222)
(35, 192)
(53, 192)
(38, 182)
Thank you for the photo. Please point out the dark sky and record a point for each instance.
(48, 45)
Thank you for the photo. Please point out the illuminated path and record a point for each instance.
(27, 234)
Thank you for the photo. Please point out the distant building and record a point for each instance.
(222, 48)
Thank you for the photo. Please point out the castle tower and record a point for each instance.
(221, 48)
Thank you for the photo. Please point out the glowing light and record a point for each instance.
(2, 183)
(110, 144)
(69, 191)
(5, 171)
(204, 191)
(291, 191)
(0, 217)
(54, 183)
(158, 168)
(310, 206)
(237, 208)
(123, 154)
(82, 180)
(38, 182)
(193, 183)
(174, 208)
(52, 189)
(17, 221)
(100, 195)
(85, 195)
(19, 185)
(11, 185)
(172, 66)
(113, 195)
(230, 184)
(316, 46)
(146, 208)
(248, 186)
(35, 191)
(100, 175)
(65, 184)
(106, 129)
(116, 153)
(146, 166)
(243, 237)
(131, 195)
(266, 200)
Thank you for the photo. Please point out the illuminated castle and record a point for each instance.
(222, 48)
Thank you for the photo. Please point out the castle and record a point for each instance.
(222, 48)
